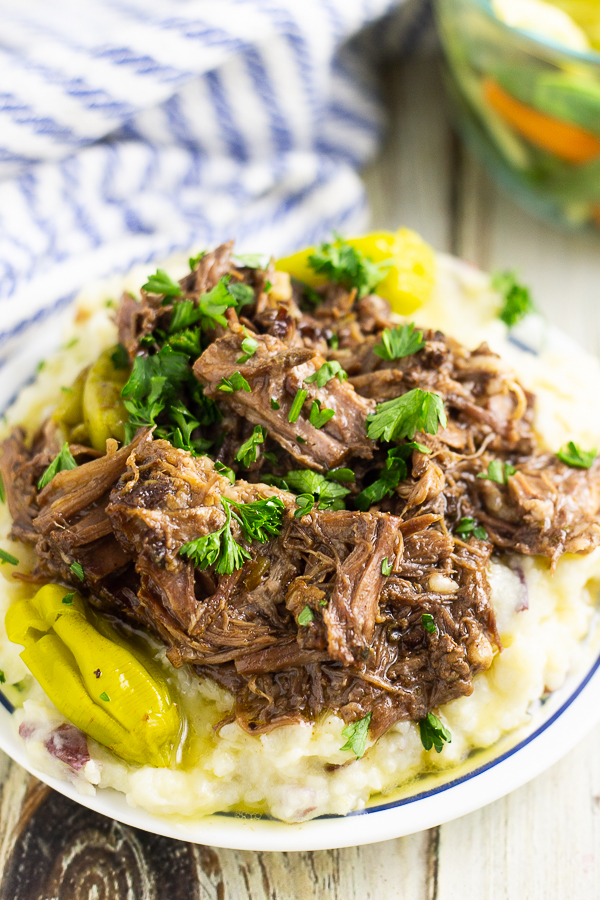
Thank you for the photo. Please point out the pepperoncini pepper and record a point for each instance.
(94, 678)
(104, 414)
(409, 281)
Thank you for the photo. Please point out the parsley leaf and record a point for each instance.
(386, 566)
(218, 547)
(120, 357)
(498, 471)
(249, 348)
(62, 462)
(517, 298)
(319, 417)
(275, 404)
(194, 260)
(2, 677)
(260, 519)
(104, 696)
(467, 526)
(305, 503)
(297, 405)
(428, 623)
(237, 382)
(414, 411)
(345, 265)
(248, 452)
(6, 557)
(160, 283)
(306, 616)
(433, 733)
(68, 599)
(213, 304)
(341, 475)
(325, 373)
(77, 569)
(225, 471)
(391, 475)
(153, 383)
(357, 734)
(250, 260)
(2, 491)
(572, 455)
(328, 493)
(399, 342)
(242, 294)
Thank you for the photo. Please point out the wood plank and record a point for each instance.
(540, 843)
(410, 182)
(92, 856)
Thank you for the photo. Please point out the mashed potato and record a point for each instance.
(298, 771)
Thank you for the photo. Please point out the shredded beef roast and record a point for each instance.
(361, 581)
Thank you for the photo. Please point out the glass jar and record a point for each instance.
(529, 109)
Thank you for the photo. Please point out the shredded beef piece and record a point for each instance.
(276, 372)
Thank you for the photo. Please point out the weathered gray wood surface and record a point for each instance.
(540, 843)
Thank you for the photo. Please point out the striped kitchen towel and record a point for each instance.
(133, 128)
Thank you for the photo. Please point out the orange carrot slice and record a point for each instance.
(569, 142)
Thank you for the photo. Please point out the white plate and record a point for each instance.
(555, 728)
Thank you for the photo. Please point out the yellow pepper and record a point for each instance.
(69, 412)
(92, 675)
(409, 281)
(104, 414)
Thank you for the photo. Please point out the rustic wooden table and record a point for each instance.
(543, 841)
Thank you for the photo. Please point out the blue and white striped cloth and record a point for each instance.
(133, 128)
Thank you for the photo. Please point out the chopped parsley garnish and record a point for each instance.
(394, 471)
(68, 599)
(325, 373)
(6, 557)
(153, 383)
(275, 404)
(300, 440)
(329, 494)
(357, 734)
(434, 733)
(77, 570)
(319, 417)
(517, 298)
(345, 265)
(194, 260)
(243, 294)
(248, 452)
(498, 471)
(219, 548)
(250, 260)
(297, 405)
(2, 677)
(62, 462)
(428, 623)
(306, 616)
(249, 348)
(2, 491)
(259, 520)
(399, 342)
(305, 503)
(386, 566)
(267, 287)
(237, 382)
(414, 411)
(468, 526)
(160, 283)
(572, 455)
(341, 475)
(120, 357)
(334, 342)
(224, 470)
(104, 696)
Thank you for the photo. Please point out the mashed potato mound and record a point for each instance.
(298, 771)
